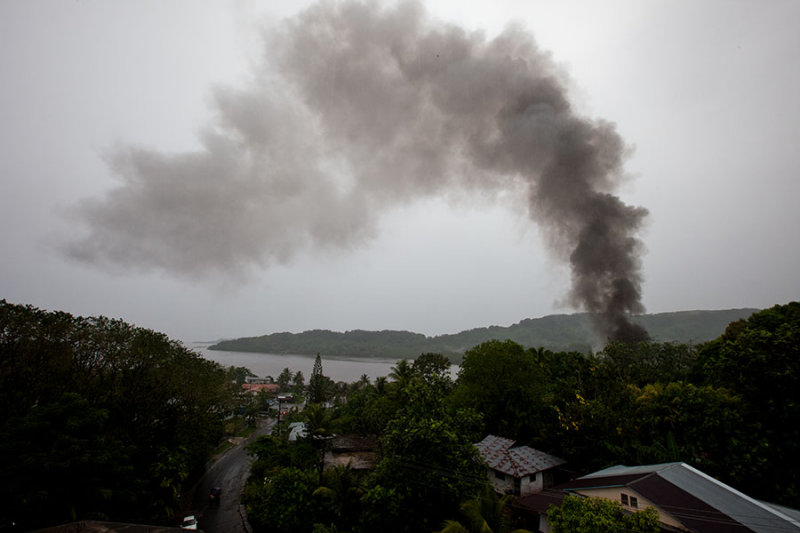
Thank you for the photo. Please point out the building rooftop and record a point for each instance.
(699, 501)
(505, 456)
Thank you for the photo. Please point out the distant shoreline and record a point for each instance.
(553, 332)
(264, 364)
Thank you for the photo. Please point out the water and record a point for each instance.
(347, 369)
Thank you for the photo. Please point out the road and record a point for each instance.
(229, 472)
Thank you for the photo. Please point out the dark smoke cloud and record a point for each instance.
(357, 108)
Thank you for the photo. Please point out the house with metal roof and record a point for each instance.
(515, 469)
(686, 500)
(297, 430)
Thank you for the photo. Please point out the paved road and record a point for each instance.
(229, 472)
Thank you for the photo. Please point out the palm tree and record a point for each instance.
(380, 385)
(402, 374)
(362, 383)
(340, 493)
(320, 424)
(319, 420)
(486, 513)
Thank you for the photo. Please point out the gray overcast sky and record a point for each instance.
(706, 93)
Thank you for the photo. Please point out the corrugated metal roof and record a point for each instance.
(692, 511)
(757, 516)
(623, 470)
(603, 482)
(695, 498)
(502, 455)
(794, 514)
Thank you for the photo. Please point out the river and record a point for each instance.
(347, 369)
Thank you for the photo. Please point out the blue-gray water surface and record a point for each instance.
(347, 369)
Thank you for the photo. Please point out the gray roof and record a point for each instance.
(623, 470)
(297, 430)
(503, 455)
(757, 516)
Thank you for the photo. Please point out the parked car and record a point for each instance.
(214, 495)
(189, 522)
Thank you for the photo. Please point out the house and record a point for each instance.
(686, 500)
(255, 388)
(356, 452)
(515, 469)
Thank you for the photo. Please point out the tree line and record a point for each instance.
(100, 419)
(555, 332)
(728, 407)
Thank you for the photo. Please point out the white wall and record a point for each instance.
(506, 485)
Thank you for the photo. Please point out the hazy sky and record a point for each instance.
(135, 137)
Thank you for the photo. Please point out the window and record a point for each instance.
(533, 477)
(499, 475)
(633, 501)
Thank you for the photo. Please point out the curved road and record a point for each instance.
(230, 472)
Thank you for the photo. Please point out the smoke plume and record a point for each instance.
(359, 107)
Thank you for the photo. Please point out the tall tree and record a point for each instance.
(429, 465)
(320, 423)
(340, 494)
(317, 384)
(298, 383)
(101, 392)
(285, 379)
(284, 502)
(506, 383)
(647, 362)
(402, 374)
(759, 360)
(432, 365)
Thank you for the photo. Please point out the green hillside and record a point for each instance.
(555, 332)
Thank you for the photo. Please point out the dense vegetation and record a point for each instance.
(728, 407)
(554, 332)
(598, 515)
(99, 419)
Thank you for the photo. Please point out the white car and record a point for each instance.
(189, 522)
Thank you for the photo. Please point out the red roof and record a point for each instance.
(256, 387)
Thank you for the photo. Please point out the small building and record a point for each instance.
(516, 469)
(255, 380)
(356, 452)
(686, 500)
(255, 388)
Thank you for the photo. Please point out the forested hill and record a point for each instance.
(554, 332)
